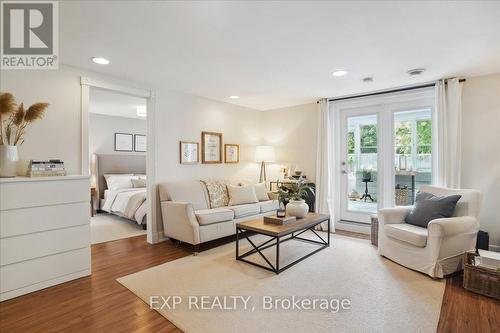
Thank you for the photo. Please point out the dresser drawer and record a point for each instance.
(16, 222)
(26, 273)
(41, 192)
(40, 244)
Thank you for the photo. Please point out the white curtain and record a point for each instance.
(448, 126)
(324, 163)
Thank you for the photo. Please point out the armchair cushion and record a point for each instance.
(407, 233)
(429, 207)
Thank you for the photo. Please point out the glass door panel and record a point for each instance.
(412, 153)
(360, 142)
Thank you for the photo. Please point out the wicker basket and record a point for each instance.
(374, 233)
(401, 196)
(480, 280)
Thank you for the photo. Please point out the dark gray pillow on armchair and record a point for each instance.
(429, 207)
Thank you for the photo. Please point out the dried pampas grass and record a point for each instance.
(15, 126)
(35, 112)
(7, 103)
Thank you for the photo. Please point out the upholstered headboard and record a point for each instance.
(122, 163)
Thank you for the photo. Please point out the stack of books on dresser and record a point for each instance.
(47, 168)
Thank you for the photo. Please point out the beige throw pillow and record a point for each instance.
(261, 191)
(217, 193)
(240, 195)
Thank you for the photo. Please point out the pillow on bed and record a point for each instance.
(138, 182)
(118, 181)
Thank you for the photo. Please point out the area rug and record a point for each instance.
(200, 293)
(107, 227)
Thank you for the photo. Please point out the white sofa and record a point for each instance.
(187, 216)
(438, 249)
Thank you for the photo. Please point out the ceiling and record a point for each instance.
(275, 54)
(115, 104)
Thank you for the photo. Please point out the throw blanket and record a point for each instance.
(128, 203)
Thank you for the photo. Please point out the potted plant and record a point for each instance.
(298, 192)
(14, 119)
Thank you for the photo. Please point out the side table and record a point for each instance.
(374, 233)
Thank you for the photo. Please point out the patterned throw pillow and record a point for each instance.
(217, 193)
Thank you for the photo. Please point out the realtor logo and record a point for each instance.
(29, 35)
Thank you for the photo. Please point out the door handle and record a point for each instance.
(344, 171)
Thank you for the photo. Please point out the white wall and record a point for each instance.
(57, 135)
(481, 147)
(102, 129)
(292, 131)
(184, 117)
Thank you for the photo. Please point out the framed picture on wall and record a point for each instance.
(231, 153)
(139, 142)
(124, 142)
(188, 152)
(211, 147)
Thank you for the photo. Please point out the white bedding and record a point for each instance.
(117, 202)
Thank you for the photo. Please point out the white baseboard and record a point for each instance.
(362, 228)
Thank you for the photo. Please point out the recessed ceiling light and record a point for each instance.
(141, 111)
(234, 97)
(416, 71)
(100, 61)
(339, 73)
(368, 79)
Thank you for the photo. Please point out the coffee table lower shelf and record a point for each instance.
(276, 240)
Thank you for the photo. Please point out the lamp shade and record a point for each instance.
(264, 154)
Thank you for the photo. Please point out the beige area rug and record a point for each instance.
(384, 296)
(107, 227)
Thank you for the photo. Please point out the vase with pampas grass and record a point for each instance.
(14, 119)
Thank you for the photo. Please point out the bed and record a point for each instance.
(119, 198)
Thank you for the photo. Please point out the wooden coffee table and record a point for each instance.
(279, 234)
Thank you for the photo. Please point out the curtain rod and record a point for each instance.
(428, 85)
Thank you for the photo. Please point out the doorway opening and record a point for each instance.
(117, 155)
(125, 151)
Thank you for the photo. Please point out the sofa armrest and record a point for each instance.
(453, 226)
(393, 215)
(179, 221)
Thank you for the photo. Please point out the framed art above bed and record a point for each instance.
(139, 142)
(124, 142)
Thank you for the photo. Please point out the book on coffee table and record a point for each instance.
(279, 220)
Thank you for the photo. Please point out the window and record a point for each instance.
(403, 138)
(368, 138)
(350, 143)
(424, 137)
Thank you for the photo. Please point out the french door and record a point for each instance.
(384, 153)
(360, 159)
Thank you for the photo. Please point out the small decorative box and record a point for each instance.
(279, 220)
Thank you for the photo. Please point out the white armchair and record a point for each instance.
(438, 249)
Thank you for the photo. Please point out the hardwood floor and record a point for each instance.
(100, 304)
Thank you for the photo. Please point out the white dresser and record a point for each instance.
(44, 232)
